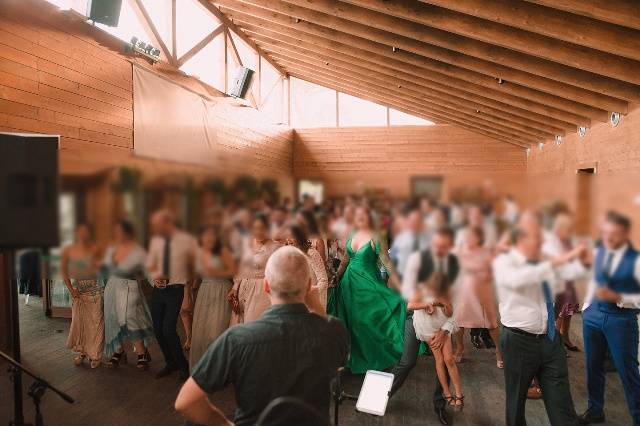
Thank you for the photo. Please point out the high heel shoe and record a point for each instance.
(143, 361)
(116, 359)
(500, 364)
(78, 360)
(95, 363)
(458, 407)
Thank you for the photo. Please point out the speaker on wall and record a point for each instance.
(241, 83)
(28, 190)
(104, 11)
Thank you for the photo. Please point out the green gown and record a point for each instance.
(373, 313)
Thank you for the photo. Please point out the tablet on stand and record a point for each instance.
(374, 394)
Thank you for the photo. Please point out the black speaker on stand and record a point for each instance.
(28, 218)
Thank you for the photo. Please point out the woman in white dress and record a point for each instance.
(127, 315)
(216, 266)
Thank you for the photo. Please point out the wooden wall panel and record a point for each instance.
(61, 76)
(616, 185)
(351, 160)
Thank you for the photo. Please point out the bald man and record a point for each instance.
(293, 350)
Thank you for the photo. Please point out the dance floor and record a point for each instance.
(127, 397)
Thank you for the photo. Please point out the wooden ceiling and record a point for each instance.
(519, 71)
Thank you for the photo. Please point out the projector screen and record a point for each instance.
(171, 122)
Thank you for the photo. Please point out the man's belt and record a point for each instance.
(525, 333)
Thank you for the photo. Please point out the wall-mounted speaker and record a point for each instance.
(104, 11)
(241, 83)
(28, 190)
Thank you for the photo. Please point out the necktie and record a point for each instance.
(551, 319)
(608, 264)
(166, 257)
(416, 243)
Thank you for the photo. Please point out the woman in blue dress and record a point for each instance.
(126, 313)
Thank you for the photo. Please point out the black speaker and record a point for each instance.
(28, 190)
(104, 11)
(241, 83)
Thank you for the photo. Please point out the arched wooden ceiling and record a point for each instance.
(522, 71)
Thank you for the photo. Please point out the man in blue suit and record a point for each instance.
(610, 318)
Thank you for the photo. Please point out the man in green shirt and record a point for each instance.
(293, 350)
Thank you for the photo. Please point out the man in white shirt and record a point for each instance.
(420, 266)
(531, 345)
(610, 318)
(170, 264)
(412, 239)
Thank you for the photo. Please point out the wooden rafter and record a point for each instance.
(201, 45)
(432, 116)
(443, 85)
(560, 25)
(489, 39)
(392, 94)
(265, 98)
(149, 26)
(229, 24)
(174, 30)
(620, 12)
(303, 17)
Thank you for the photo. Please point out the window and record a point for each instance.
(208, 64)
(77, 5)
(359, 112)
(312, 105)
(399, 118)
(311, 187)
(272, 93)
(160, 13)
(193, 23)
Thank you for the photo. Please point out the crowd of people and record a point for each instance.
(368, 285)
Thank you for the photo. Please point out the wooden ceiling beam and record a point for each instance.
(400, 30)
(391, 93)
(432, 116)
(468, 92)
(569, 27)
(337, 46)
(561, 99)
(496, 116)
(505, 41)
(299, 17)
(619, 12)
(230, 25)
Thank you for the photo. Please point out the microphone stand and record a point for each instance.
(340, 395)
(37, 389)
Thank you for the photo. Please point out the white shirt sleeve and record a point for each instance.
(410, 277)
(514, 275)
(632, 301)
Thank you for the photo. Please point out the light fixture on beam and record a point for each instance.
(500, 81)
(582, 131)
(541, 146)
(615, 119)
(558, 140)
(394, 49)
(146, 50)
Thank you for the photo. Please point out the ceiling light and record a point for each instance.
(582, 130)
(558, 140)
(615, 119)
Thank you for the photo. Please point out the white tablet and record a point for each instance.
(374, 394)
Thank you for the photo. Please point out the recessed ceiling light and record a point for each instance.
(615, 119)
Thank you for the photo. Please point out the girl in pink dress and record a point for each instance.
(476, 303)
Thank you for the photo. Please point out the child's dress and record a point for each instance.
(426, 325)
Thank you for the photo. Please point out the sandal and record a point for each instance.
(78, 360)
(450, 400)
(116, 359)
(458, 358)
(500, 364)
(143, 361)
(460, 406)
(95, 363)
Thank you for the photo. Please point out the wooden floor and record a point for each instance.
(128, 397)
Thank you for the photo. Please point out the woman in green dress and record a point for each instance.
(373, 313)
